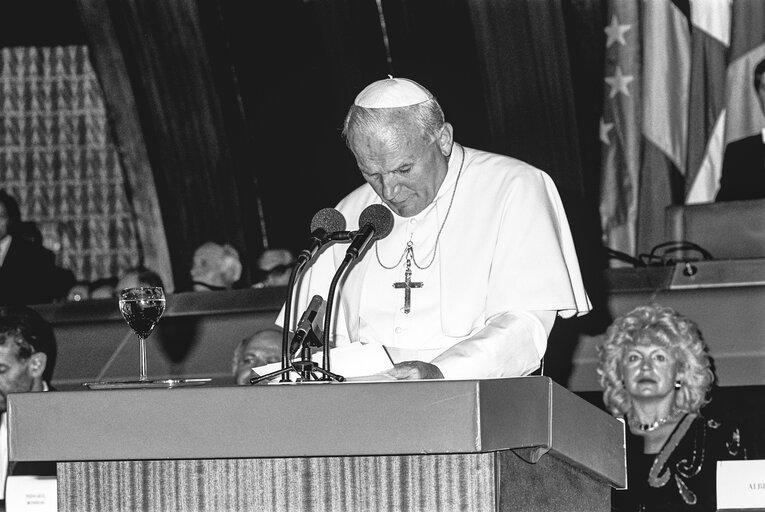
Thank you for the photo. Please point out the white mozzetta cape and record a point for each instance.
(506, 249)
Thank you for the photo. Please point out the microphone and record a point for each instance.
(324, 224)
(375, 222)
(306, 323)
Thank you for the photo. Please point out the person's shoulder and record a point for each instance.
(502, 173)
(357, 200)
(746, 144)
(30, 249)
(497, 165)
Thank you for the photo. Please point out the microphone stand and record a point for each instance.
(305, 367)
(328, 311)
(287, 365)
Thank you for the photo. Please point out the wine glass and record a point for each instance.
(142, 308)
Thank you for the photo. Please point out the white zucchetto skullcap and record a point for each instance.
(392, 93)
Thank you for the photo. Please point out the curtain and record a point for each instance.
(57, 158)
(183, 107)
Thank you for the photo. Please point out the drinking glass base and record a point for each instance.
(138, 384)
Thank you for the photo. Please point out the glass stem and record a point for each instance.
(142, 355)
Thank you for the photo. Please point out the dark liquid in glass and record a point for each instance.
(142, 314)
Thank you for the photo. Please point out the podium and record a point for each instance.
(502, 444)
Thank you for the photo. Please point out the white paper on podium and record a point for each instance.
(351, 361)
(31, 494)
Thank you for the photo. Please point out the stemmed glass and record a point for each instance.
(142, 308)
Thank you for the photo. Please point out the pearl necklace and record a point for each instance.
(650, 427)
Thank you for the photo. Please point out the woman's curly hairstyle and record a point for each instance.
(660, 325)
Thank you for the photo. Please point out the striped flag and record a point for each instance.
(620, 127)
(711, 25)
(666, 39)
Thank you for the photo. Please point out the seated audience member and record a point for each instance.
(656, 374)
(743, 168)
(27, 356)
(274, 268)
(215, 267)
(139, 276)
(103, 288)
(261, 348)
(28, 272)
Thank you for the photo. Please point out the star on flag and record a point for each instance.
(618, 82)
(604, 129)
(615, 32)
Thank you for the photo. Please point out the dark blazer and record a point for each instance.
(28, 274)
(743, 170)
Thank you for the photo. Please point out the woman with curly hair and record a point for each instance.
(656, 374)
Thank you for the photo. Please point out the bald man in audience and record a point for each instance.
(261, 348)
(215, 267)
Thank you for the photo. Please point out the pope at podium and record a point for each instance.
(480, 259)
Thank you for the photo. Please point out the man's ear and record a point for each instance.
(37, 363)
(446, 139)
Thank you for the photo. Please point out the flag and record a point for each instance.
(619, 127)
(666, 79)
(694, 60)
(711, 27)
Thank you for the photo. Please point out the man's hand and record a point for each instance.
(414, 370)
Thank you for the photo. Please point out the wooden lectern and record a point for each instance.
(522, 444)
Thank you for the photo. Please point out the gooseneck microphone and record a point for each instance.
(375, 222)
(325, 226)
(325, 223)
(307, 323)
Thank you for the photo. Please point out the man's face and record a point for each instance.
(15, 376)
(207, 266)
(262, 349)
(403, 168)
(3, 221)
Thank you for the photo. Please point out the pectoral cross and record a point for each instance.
(407, 284)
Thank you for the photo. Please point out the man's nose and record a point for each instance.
(390, 188)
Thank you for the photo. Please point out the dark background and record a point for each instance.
(522, 78)
(241, 104)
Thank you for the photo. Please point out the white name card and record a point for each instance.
(31, 494)
(741, 485)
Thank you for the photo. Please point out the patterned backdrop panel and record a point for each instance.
(58, 159)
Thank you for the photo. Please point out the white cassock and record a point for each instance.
(502, 268)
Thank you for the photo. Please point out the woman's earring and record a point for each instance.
(678, 384)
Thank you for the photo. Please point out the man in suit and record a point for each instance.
(743, 171)
(28, 272)
(27, 358)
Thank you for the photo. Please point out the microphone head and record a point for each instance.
(379, 217)
(328, 219)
